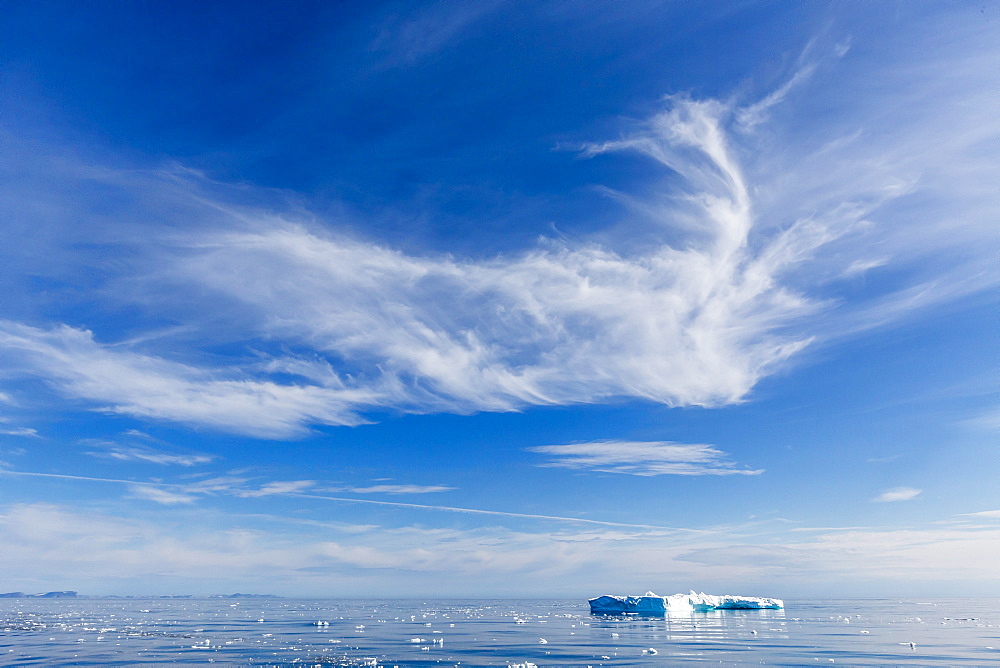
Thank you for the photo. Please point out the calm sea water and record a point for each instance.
(275, 632)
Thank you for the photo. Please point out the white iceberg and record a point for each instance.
(651, 604)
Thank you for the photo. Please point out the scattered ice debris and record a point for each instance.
(543, 641)
(911, 645)
(649, 651)
(652, 604)
(319, 623)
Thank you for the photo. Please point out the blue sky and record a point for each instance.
(499, 299)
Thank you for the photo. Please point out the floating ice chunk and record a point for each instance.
(651, 604)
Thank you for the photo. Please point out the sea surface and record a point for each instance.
(287, 632)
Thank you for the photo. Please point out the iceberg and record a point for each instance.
(651, 604)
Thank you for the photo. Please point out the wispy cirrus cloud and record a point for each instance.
(153, 457)
(392, 489)
(162, 495)
(898, 494)
(761, 225)
(19, 431)
(405, 40)
(988, 420)
(8, 429)
(143, 453)
(280, 487)
(561, 325)
(171, 493)
(149, 386)
(988, 514)
(645, 458)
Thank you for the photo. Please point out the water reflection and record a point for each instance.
(424, 633)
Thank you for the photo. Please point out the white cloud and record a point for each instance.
(989, 514)
(145, 454)
(861, 266)
(761, 225)
(393, 489)
(690, 326)
(884, 460)
(405, 40)
(160, 494)
(218, 485)
(281, 487)
(19, 431)
(898, 494)
(988, 420)
(152, 387)
(644, 458)
(754, 114)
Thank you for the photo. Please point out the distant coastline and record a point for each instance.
(73, 594)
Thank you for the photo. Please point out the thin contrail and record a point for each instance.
(397, 504)
(476, 511)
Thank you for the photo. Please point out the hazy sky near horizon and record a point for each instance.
(500, 298)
